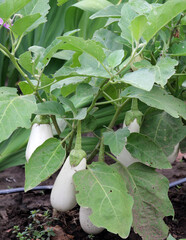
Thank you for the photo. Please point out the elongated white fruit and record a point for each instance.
(39, 134)
(63, 197)
(174, 154)
(85, 222)
(125, 157)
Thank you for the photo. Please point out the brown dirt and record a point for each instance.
(15, 208)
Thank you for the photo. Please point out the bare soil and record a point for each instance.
(15, 208)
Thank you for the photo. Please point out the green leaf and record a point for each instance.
(116, 140)
(89, 67)
(147, 151)
(15, 111)
(82, 113)
(85, 89)
(45, 161)
(115, 58)
(22, 24)
(138, 25)
(25, 88)
(127, 15)
(36, 7)
(16, 159)
(92, 6)
(48, 53)
(61, 2)
(103, 190)
(164, 69)
(69, 103)
(91, 47)
(142, 78)
(50, 108)
(160, 16)
(170, 237)
(158, 98)
(164, 130)
(178, 49)
(151, 196)
(110, 11)
(25, 60)
(142, 7)
(108, 39)
(68, 85)
(9, 7)
(151, 203)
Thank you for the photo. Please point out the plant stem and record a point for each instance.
(101, 150)
(93, 153)
(111, 156)
(118, 111)
(13, 60)
(64, 139)
(131, 59)
(78, 136)
(53, 117)
(104, 84)
(134, 106)
(107, 102)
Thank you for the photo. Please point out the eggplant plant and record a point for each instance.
(127, 66)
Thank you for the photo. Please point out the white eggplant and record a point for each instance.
(174, 154)
(125, 157)
(39, 134)
(85, 222)
(63, 197)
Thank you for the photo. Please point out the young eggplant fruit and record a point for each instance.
(85, 222)
(39, 134)
(125, 157)
(63, 197)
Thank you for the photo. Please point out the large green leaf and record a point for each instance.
(110, 11)
(164, 130)
(89, 67)
(68, 85)
(158, 98)
(147, 151)
(178, 49)
(15, 111)
(9, 7)
(164, 69)
(108, 39)
(15, 159)
(142, 78)
(160, 16)
(45, 160)
(26, 61)
(151, 202)
(14, 143)
(92, 6)
(23, 24)
(50, 108)
(91, 47)
(138, 25)
(116, 140)
(36, 7)
(115, 58)
(103, 190)
(127, 15)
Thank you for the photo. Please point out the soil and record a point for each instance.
(15, 209)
